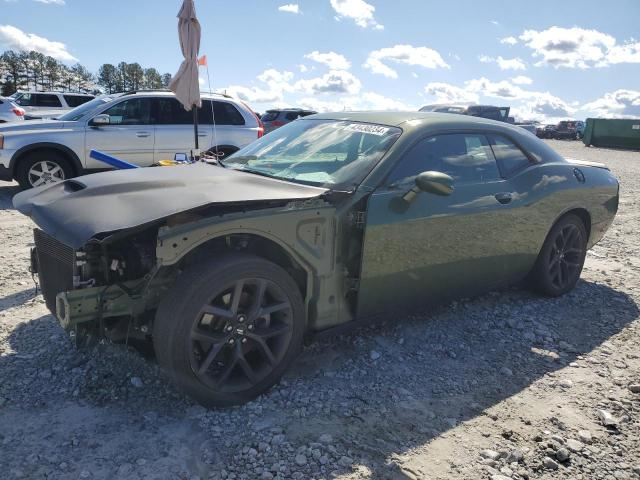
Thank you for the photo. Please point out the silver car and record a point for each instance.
(49, 104)
(9, 111)
(137, 127)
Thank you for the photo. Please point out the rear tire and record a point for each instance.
(43, 168)
(561, 258)
(229, 328)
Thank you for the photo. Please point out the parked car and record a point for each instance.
(273, 119)
(49, 104)
(491, 112)
(137, 127)
(485, 111)
(328, 222)
(567, 130)
(545, 131)
(9, 111)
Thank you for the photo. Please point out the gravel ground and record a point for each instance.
(506, 386)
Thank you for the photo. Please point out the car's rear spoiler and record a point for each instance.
(584, 163)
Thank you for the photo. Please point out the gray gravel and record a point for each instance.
(506, 386)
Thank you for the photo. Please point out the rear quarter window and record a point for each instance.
(509, 156)
(226, 114)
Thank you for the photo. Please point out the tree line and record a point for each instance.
(36, 71)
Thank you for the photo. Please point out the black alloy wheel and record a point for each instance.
(229, 328)
(561, 259)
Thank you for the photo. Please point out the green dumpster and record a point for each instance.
(612, 133)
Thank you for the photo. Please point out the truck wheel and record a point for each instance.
(43, 168)
(229, 329)
(561, 259)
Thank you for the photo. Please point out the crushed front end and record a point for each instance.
(105, 289)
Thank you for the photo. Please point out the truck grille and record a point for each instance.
(56, 265)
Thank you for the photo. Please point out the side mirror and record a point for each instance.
(437, 183)
(99, 120)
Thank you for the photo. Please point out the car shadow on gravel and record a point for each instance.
(380, 392)
(6, 195)
(420, 378)
(17, 298)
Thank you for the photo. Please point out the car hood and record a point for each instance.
(31, 125)
(76, 210)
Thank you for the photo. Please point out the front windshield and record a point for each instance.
(328, 153)
(79, 112)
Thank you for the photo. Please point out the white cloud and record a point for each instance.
(526, 104)
(621, 104)
(627, 53)
(569, 47)
(303, 68)
(504, 63)
(277, 83)
(521, 80)
(357, 10)
(495, 22)
(509, 40)
(52, 2)
(290, 8)
(365, 101)
(334, 82)
(406, 54)
(446, 93)
(332, 60)
(16, 39)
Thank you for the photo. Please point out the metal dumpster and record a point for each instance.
(612, 133)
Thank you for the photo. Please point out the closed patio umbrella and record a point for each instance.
(185, 83)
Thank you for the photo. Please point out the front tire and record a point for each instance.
(40, 169)
(229, 329)
(561, 259)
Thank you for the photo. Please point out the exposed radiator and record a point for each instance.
(56, 267)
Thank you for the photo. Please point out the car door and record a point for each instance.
(174, 128)
(129, 135)
(435, 247)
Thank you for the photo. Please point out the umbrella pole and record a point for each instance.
(196, 152)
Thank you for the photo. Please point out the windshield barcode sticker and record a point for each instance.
(365, 128)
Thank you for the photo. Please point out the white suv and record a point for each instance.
(49, 104)
(138, 127)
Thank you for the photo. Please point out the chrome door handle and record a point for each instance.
(203, 134)
(143, 134)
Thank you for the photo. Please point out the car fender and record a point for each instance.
(66, 151)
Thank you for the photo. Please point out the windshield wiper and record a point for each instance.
(244, 159)
(255, 172)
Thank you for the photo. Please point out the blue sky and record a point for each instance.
(547, 59)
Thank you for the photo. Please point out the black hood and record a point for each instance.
(76, 210)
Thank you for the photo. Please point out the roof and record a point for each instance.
(56, 93)
(169, 93)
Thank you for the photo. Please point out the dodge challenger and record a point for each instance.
(331, 221)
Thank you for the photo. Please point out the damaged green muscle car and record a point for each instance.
(331, 220)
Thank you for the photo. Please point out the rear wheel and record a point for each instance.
(561, 259)
(43, 169)
(229, 329)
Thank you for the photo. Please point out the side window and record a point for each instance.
(226, 114)
(171, 112)
(76, 100)
(509, 157)
(26, 100)
(44, 100)
(291, 116)
(467, 158)
(135, 111)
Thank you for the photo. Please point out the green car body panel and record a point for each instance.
(366, 252)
